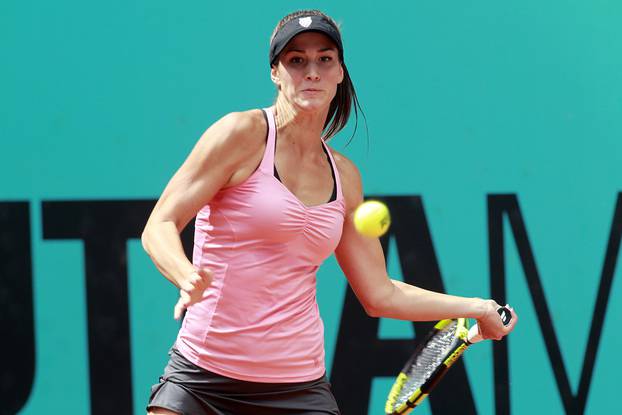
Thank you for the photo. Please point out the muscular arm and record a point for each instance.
(362, 261)
(225, 151)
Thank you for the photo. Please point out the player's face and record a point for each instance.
(308, 71)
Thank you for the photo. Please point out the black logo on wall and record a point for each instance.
(105, 226)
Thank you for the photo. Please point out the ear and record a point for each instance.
(274, 75)
(341, 74)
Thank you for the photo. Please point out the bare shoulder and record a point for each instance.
(351, 181)
(347, 168)
(241, 140)
(233, 142)
(246, 122)
(238, 132)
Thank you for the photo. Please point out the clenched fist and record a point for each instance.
(191, 290)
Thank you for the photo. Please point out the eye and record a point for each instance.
(295, 59)
(326, 58)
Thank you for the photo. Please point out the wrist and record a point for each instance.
(183, 272)
(479, 308)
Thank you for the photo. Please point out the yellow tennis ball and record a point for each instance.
(372, 218)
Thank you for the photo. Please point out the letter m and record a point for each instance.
(499, 207)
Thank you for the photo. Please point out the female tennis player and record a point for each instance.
(272, 201)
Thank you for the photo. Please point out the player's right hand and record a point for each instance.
(191, 290)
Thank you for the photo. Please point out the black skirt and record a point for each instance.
(191, 390)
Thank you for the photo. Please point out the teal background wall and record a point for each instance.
(103, 100)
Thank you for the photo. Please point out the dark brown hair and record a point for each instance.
(340, 106)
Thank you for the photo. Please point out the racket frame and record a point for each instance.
(465, 338)
(462, 332)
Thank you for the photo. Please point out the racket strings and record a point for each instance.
(428, 360)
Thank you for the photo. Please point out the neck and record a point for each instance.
(301, 129)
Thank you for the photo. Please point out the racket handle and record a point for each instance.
(506, 315)
(474, 334)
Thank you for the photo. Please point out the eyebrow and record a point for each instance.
(320, 50)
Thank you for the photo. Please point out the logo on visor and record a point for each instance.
(305, 21)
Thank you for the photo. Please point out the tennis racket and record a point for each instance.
(430, 361)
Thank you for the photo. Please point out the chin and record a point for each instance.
(312, 105)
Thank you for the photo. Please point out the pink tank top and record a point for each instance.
(259, 320)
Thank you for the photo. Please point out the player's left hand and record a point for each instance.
(490, 324)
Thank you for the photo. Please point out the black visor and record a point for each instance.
(303, 24)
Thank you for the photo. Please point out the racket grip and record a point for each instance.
(474, 334)
(506, 315)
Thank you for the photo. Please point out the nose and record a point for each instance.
(312, 73)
